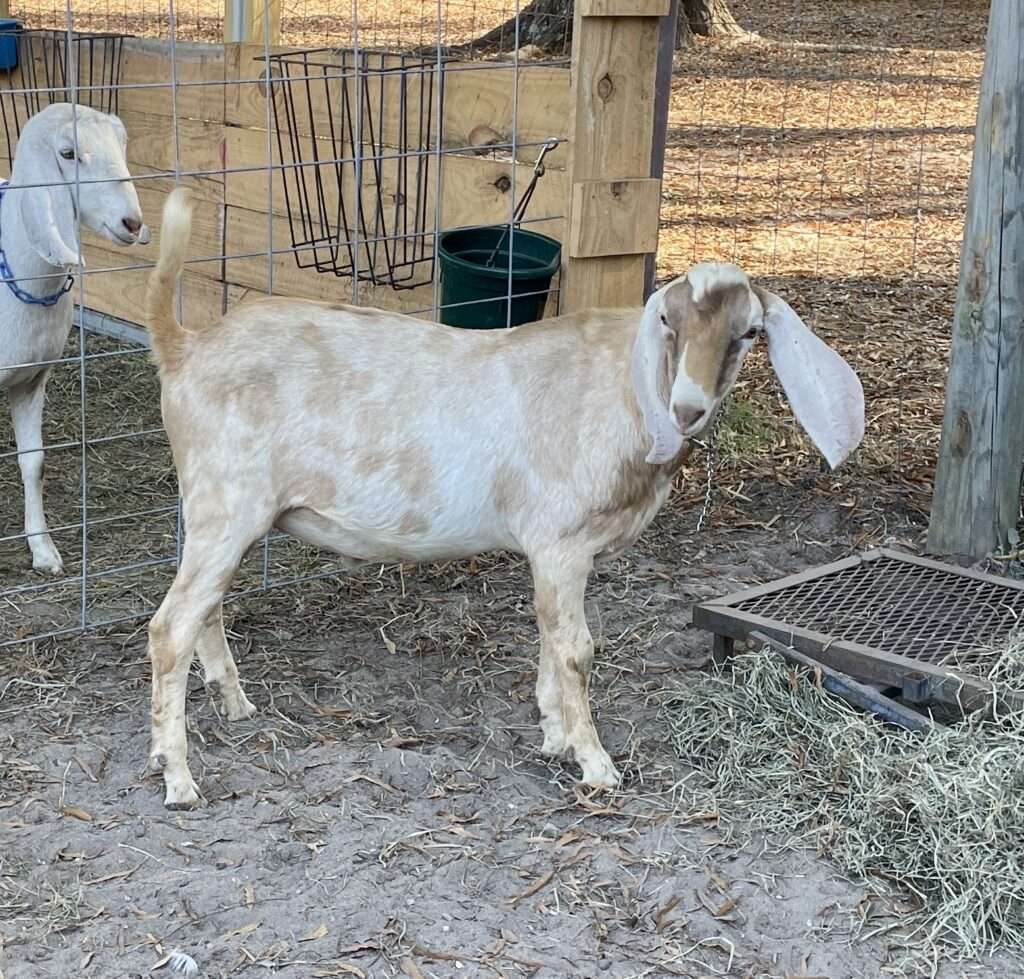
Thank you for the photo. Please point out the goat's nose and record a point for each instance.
(132, 224)
(688, 417)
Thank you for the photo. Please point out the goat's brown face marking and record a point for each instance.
(713, 316)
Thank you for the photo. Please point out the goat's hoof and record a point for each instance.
(48, 562)
(599, 772)
(182, 794)
(241, 709)
(237, 707)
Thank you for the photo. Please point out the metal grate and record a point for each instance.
(883, 616)
(926, 613)
(346, 119)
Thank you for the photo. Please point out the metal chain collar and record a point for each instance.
(710, 445)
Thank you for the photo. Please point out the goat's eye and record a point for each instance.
(67, 154)
(664, 319)
(751, 334)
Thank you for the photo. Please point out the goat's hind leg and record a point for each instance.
(208, 564)
(219, 670)
(27, 418)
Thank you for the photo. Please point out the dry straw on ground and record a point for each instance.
(934, 822)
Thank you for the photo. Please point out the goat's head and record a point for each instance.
(80, 154)
(696, 332)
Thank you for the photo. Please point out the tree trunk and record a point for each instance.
(547, 25)
(710, 18)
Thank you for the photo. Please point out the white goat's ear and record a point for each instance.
(48, 216)
(823, 391)
(652, 383)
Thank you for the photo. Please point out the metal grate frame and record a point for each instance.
(887, 618)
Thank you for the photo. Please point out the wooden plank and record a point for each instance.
(624, 8)
(252, 20)
(247, 233)
(977, 484)
(199, 71)
(614, 68)
(123, 294)
(474, 190)
(151, 144)
(614, 217)
(480, 104)
(207, 233)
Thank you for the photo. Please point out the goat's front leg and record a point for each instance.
(566, 655)
(27, 416)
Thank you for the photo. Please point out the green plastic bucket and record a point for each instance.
(466, 277)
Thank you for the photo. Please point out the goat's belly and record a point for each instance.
(410, 539)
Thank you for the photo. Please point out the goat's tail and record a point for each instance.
(167, 335)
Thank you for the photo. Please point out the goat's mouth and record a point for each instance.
(124, 239)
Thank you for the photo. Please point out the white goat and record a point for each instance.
(385, 439)
(40, 209)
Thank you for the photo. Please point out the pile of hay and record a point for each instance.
(937, 818)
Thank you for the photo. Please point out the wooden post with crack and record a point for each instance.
(614, 201)
(978, 483)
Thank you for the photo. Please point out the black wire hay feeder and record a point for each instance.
(929, 630)
(55, 66)
(368, 119)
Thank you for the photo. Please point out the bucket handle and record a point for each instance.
(524, 201)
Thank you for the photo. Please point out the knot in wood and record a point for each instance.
(605, 87)
(503, 184)
(961, 441)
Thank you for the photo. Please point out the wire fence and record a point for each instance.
(338, 158)
(828, 155)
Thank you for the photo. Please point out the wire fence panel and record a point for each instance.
(826, 152)
(334, 153)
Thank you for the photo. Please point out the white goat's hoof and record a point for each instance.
(598, 770)
(46, 559)
(237, 707)
(240, 708)
(182, 793)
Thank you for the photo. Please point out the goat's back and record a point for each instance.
(406, 430)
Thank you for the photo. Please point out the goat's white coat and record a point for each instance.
(385, 438)
(39, 237)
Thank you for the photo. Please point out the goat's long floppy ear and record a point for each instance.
(652, 384)
(823, 391)
(48, 213)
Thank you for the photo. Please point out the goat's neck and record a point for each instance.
(33, 273)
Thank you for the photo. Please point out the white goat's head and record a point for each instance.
(62, 145)
(696, 332)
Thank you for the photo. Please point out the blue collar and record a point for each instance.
(9, 278)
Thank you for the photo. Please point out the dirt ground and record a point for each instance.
(387, 812)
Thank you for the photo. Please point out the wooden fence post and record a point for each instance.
(977, 485)
(614, 201)
(252, 20)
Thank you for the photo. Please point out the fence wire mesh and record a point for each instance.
(827, 152)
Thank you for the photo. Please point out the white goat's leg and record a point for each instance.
(27, 417)
(549, 700)
(566, 644)
(219, 670)
(208, 564)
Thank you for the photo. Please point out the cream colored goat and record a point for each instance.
(385, 438)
